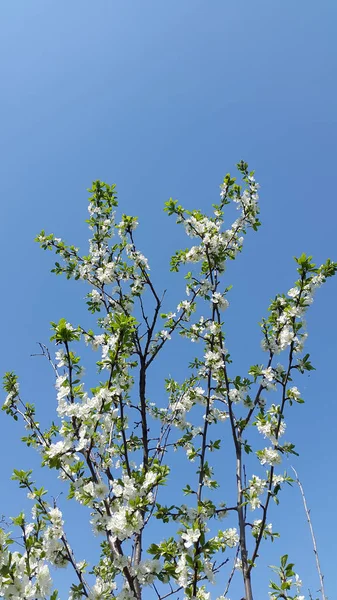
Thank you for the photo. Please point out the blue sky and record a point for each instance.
(163, 99)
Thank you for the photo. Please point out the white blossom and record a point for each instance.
(190, 536)
(269, 456)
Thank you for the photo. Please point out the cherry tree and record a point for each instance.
(112, 446)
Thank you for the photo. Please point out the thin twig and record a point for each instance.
(307, 512)
(232, 571)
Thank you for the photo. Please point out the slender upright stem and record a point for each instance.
(307, 512)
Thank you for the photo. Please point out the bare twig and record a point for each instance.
(307, 512)
(232, 571)
(45, 352)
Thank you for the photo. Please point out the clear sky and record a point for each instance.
(163, 98)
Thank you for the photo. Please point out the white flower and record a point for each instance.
(95, 296)
(184, 305)
(268, 374)
(106, 275)
(257, 526)
(231, 537)
(213, 327)
(269, 429)
(256, 489)
(97, 341)
(43, 580)
(212, 358)
(56, 516)
(190, 536)
(254, 502)
(150, 479)
(294, 392)
(164, 334)
(122, 525)
(13, 394)
(61, 358)
(317, 280)
(298, 583)
(268, 377)
(59, 383)
(223, 192)
(286, 337)
(294, 292)
(100, 589)
(60, 447)
(194, 254)
(182, 571)
(125, 595)
(147, 570)
(269, 456)
(209, 572)
(221, 302)
(28, 529)
(101, 490)
(235, 395)
(277, 479)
